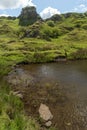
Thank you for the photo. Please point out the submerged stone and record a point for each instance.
(48, 124)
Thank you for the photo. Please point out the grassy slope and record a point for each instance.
(72, 39)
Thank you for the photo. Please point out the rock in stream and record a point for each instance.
(45, 114)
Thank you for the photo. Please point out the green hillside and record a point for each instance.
(59, 37)
(44, 41)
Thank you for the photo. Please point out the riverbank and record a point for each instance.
(15, 51)
(27, 101)
(27, 51)
(13, 114)
(25, 84)
(61, 86)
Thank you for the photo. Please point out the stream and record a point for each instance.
(62, 87)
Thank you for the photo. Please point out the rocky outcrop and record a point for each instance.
(28, 16)
(45, 115)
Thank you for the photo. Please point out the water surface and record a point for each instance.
(63, 87)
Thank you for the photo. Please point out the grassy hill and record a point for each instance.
(61, 36)
(44, 41)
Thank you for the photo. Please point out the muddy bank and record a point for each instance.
(68, 109)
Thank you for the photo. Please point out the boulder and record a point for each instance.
(45, 113)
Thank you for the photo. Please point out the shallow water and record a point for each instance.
(63, 87)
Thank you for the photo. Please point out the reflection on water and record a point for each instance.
(63, 87)
(74, 73)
